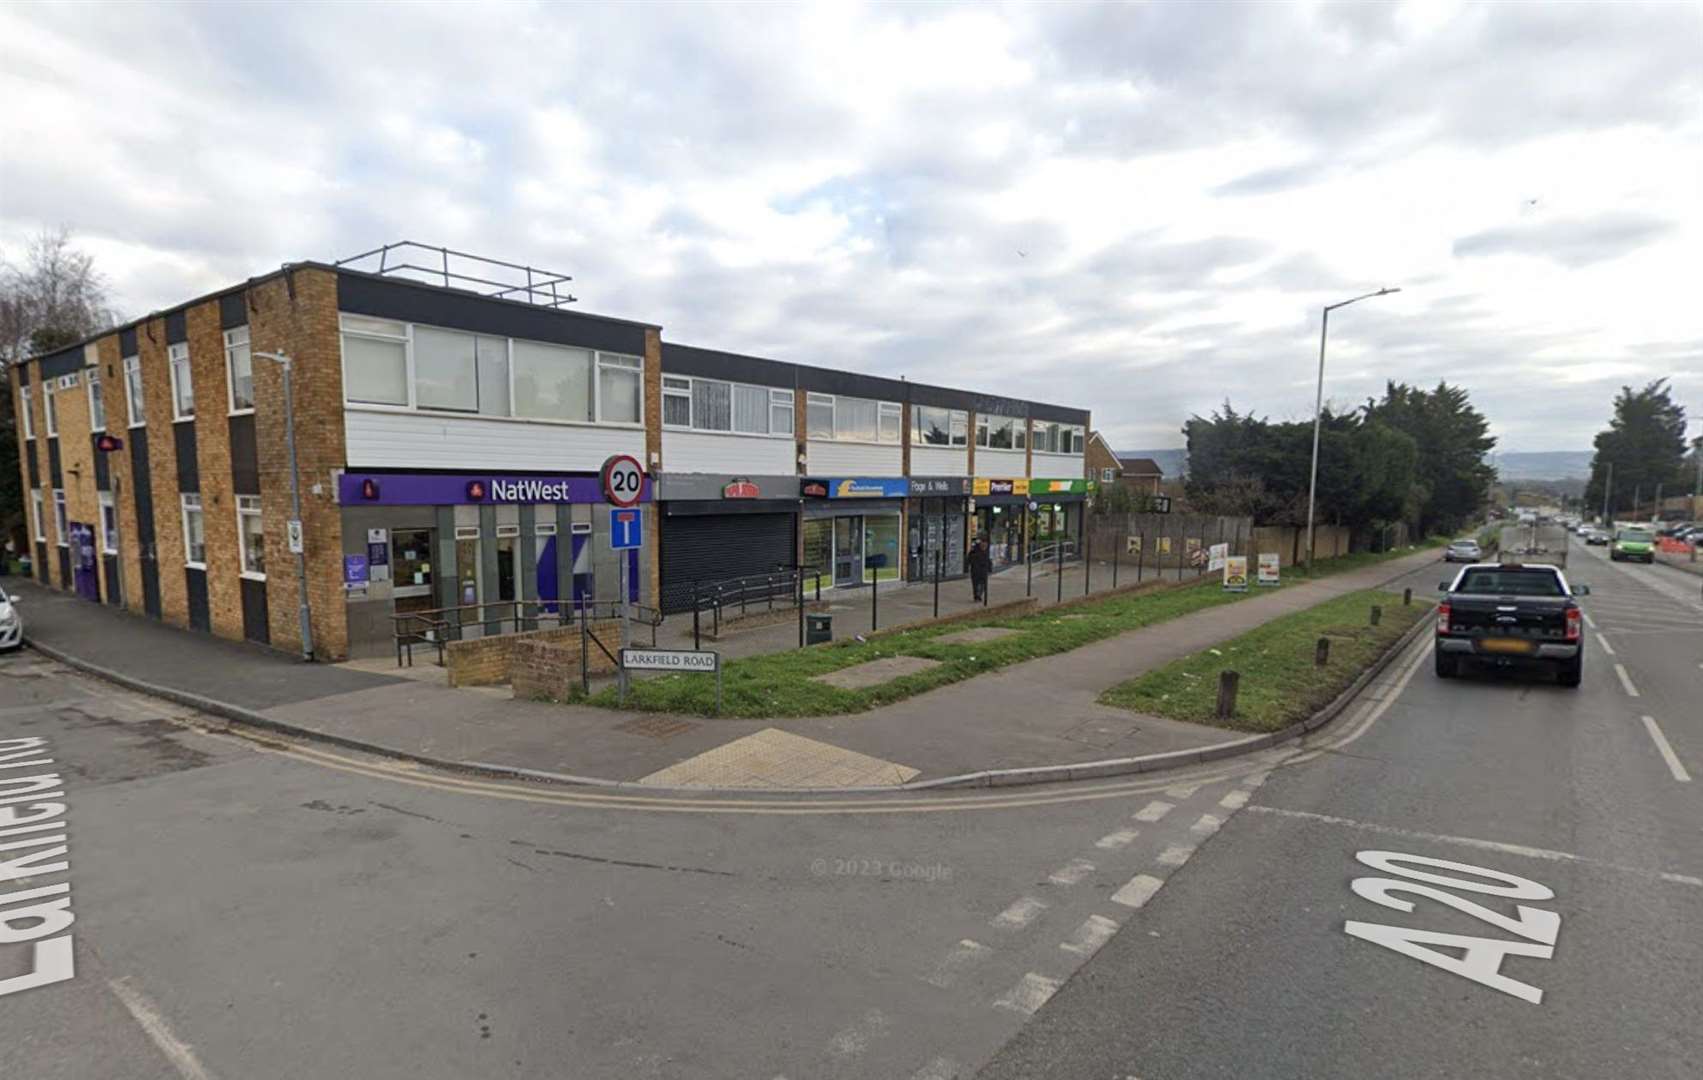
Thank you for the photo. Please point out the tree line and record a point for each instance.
(1414, 456)
(1641, 452)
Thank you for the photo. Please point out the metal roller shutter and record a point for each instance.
(715, 548)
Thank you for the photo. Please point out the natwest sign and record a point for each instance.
(450, 489)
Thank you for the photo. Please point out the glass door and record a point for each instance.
(848, 550)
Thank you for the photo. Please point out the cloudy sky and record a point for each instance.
(1133, 208)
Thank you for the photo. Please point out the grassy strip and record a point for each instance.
(782, 684)
(1279, 683)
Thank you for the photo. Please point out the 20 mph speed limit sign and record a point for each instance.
(623, 480)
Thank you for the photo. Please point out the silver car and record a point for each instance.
(11, 623)
(1465, 549)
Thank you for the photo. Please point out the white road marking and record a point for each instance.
(1590, 622)
(1666, 749)
(1071, 872)
(964, 955)
(1029, 994)
(1155, 810)
(1234, 800)
(1175, 855)
(1093, 933)
(1256, 780)
(938, 1069)
(1396, 689)
(1207, 825)
(1137, 890)
(852, 1040)
(1602, 640)
(1626, 680)
(1117, 841)
(1474, 842)
(1021, 913)
(179, 1053)
(1182, 791)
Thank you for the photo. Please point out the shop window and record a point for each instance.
(780, 412)
(375, 361)
(109, 524)
(411, 561)
(40, 521)
(239, 370)
(676, 402)
(552, 382)
(251, 537)
(467, 564)
(133, 390)
(620, 389)
(881, 547)
(49, 411)
(182, 382)
(194, 531)
(819, 548)
(819, 416)
(29, 416)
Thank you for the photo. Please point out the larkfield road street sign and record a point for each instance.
(670, 660)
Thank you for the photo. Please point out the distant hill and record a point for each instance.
(1546, 465)
(1173, 462)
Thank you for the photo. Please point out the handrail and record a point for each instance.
(540, 286)
(439, 626)
(785, 583)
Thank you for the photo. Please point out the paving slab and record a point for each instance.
(777, 759)
(976, 634)
(876, 672)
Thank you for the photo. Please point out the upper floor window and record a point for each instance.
(97, 402)
(61, 525)
(849, 419)
(182, 382)
(1059, 438)
(133, 390)
(29, 413)
(998, 432)
(1108, 474)
(375, 361)
(461, 372)
(932, 426)
(49, 411)
(714, 405)
(239, 370)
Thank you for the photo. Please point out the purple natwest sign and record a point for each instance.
(446, 489)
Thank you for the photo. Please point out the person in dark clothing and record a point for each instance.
(980, 567)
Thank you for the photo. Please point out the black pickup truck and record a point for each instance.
(1511, 615)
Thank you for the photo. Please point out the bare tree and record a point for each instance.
(50, 297)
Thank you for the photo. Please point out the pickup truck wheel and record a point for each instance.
(1447, 666)
(1569, 674)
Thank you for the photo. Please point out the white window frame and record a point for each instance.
(1020, 434)
(249, 506)
(813, 398)
(957, 427)
(175, 354)
(61, 523)
(134, 400)
(1107, 474)
(406, 338)
(682, 389)
(96, 391)
(889, 410)
(231, 345)
(984, 430)
(109, 537)
(782, 399)
(49, 411)
(185, 505)
(882, 409)
(684, 386)
(27, 411)
(38, 504)
(618, 362)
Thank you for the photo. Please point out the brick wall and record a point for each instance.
(488, 661)
(26, 375)
(77, 469)
(213, 468)
(653, 458)
(549, 669)
(162, 473)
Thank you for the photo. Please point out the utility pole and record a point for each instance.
(1607, 486)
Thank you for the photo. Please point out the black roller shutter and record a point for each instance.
(716, 548)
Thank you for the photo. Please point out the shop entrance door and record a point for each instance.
(848, 550)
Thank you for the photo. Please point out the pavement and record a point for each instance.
(1040, 713)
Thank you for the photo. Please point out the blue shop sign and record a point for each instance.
(855, 487)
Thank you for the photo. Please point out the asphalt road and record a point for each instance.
(1243, 964)
(246, 910)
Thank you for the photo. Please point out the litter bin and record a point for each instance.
(818, 629)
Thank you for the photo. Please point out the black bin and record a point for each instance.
(818, 629)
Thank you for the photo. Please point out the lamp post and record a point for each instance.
(283, 361)
(1318, 409)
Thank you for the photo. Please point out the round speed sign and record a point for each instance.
(623, 480)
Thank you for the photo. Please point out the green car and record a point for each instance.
(1637, 544)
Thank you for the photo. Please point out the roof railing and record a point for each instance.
(473, 273)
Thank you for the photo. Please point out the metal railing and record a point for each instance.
(534, 285)
(437, 627)
(1042, 553)
(784, 586)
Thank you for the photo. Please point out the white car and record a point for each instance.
(11, 623)
(1464, 550)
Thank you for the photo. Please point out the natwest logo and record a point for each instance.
(475, 491)
(741, 488)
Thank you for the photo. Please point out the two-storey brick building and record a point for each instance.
(450, 443)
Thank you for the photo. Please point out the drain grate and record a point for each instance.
(656, 727)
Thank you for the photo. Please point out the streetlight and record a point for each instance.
(283, 361)
(1318, 408)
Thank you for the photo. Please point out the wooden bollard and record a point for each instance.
(1227, 681)
(1321, 652)
(1377, 614)
(1407, 597)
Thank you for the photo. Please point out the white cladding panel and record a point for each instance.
(1058, 466)
(997, 463)
(853, 459)
(701, 452)
(939, 461)
(432, 441)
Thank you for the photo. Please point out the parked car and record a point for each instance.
(1633, 544)
(1465, 549)
(11, 623)
(1511, 615)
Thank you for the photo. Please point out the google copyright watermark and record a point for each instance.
(885, 869)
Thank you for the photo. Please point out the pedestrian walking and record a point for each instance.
(980, 567)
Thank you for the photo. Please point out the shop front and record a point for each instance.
(717, 528)
(852, 527)
(1057, 514)
(936, 523)
(999, 517)
(477, 542)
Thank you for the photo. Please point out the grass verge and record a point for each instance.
(1279, 684)
(782, 684)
